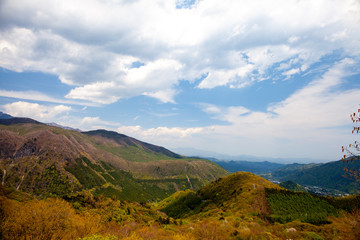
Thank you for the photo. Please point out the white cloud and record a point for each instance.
(291, 72)
(166, 95)
(92, 44)
(159, 133)
(310, 120)
(154, 79)
(91, 123)
(36, 111)
(38, 96)
(234, 78)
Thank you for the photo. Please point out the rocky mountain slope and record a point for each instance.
(44, 159)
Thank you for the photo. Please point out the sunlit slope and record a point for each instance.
(243, 195)
(240, 193)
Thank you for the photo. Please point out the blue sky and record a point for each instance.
(262, 78)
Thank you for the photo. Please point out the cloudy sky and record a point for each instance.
(256, 77)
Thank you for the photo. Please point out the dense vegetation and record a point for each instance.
(287, 206)
(234, 207)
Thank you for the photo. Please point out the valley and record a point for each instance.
(318, 178)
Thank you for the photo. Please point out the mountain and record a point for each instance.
(254, 167)
(331, 175)
(5, 116)
(124, 140)
(290, 185)
(247, 158)
(288, 169)
(48, 160)
(61, 126)
(244, 194)
(239, 193)
(12, 120)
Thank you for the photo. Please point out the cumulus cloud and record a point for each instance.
(233, 43)
(311, 119)
(91, 123)
(36, 111)
(159, 133)
(151, 79)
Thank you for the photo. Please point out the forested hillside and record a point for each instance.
(240, 206)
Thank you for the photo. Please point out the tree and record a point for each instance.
(352, 152)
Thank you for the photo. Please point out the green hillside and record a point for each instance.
(240, 206)
(330, 175)
(240, 193)
(290, 185)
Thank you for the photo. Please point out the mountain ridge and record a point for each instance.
(122, 138)
(37, 157)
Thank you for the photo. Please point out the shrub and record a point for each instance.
(312, 236)
(45, 220)
(99, 237)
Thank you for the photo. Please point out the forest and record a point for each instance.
(265, 211)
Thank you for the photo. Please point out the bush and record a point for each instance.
(46, 220)
(99, 237)
(312, 236)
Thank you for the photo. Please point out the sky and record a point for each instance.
(274, 79)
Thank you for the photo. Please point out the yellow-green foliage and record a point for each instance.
(240, 193)
(99, 237)
(86, 217)
(45, 219)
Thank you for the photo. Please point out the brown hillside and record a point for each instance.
(32, 153)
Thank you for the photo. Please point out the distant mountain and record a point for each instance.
(254, 167)
(10, 121)
(61, 126)
(290, 185)
(329, 175)
(44, 160)
(246, 158)
(288, 169)
(320, 178)
(5, 116)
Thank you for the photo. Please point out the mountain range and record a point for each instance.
(60, 183)
(44, 159)
(110, 163)
(322, 178)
